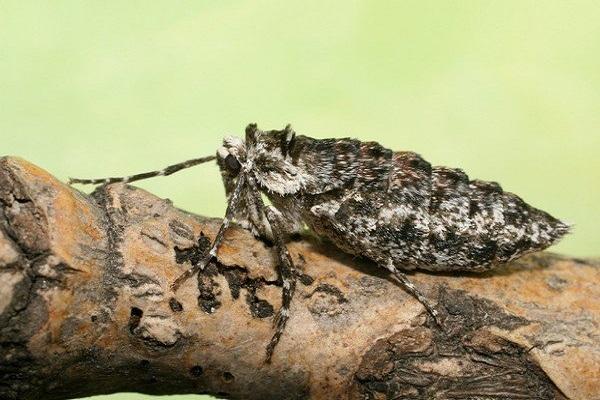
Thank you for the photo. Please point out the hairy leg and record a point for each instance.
(288, 278)
(232, 206)
(416, 293)
(171, 169)
(274, 222)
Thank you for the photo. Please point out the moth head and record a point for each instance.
(231, 155)
(272, 156)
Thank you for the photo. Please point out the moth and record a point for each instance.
(393, 208)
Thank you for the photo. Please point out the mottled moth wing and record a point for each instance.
(394, 206)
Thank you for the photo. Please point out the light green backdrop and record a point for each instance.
(507, 90)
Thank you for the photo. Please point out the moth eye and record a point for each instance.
(232, 163)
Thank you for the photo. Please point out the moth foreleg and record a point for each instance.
(415, 292)
(232, 206)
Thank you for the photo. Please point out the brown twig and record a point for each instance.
(86, 308)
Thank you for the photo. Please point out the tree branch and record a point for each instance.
(85, 309)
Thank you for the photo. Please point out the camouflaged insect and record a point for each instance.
(391, 207)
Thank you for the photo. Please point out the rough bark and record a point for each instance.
(86, 308)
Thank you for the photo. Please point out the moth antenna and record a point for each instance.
(171, 169)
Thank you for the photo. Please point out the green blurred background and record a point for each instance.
(507, 90)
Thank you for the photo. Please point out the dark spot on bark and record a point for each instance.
(196, 371)
(195, 253)
(209, 305)
(305, 279)
(235, 279)
(228, 376)
(175, 305)
(326, 301)
(209, 289)
(466, 312)
(329, 289)
(211, 270)
(259, 308)
(94, 318)
(377, 364)
(135, 318)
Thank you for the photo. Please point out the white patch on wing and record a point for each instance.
(498, 214)
(535, 236)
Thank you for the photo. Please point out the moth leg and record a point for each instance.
(249, 215)
(274, 223)
(171, 169)
(232, 206)
(416, 293)
(288, 277)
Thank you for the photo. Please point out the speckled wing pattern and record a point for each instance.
(394, 206)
